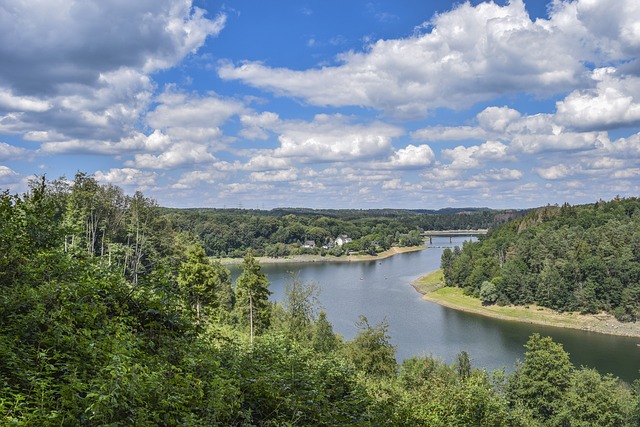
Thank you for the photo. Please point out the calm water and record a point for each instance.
(382, 289)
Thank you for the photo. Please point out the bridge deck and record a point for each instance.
(436, 233)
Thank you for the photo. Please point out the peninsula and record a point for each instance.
(432, 288)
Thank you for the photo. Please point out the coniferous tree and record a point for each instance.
(324, 339)
(197, 280)
(252, 297)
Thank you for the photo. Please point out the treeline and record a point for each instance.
(570, 258)
(284, 231)
(156, 334)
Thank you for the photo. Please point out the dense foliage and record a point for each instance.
(570, 258)
(281, 232)
(111, 317)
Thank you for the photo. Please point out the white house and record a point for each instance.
(342, 239)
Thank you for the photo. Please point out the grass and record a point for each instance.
(433, 289)
(429, 283)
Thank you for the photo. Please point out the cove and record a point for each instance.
(382, 290)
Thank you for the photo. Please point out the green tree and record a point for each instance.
(324, 339)
(252, 297)
(203, 283)
(371, 350)
(488, 293)
(300, 305)
(593, 400)
(540, 383)
(463, 365)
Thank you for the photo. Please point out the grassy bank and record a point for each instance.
(432, 288)
(328, 258)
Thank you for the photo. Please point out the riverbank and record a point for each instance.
(432, 288)
(327, 258)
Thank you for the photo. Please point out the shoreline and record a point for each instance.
(433, 290)
(296, 259)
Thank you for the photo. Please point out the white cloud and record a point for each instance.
(10, 102)
(193, 179)
(392, 184)
(472, 157)
(265, 162)
(275, 176)
(80, 70)
(411, 157)
(614, 102)
(555, 172)
(469, 54)
(626, 173)
(180, 111)
(256, 125)
(568, 141)
(449, 133)
(8, 175)
(497, 119)
(127, 177)
(179, 155)
(50, 43)
(334, 138)
(502, 174)
(10, 152)
(599, 30)
(623, 147)
(441, 173)
(155, 142)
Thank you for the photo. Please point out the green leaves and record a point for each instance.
(547, 387)
(371, 350)
(252, 297)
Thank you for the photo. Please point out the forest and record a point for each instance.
(283, 231)
(113, 315)
(568, 258)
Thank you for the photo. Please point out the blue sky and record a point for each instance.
(358, 104)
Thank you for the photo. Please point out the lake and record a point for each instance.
(382, 290)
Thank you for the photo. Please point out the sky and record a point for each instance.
(325, 104)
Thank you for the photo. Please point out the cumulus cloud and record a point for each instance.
(555, 172)
(264, 162)
(275, 176)
(500, 51)
(10, 152)
(201, 112)
(127, 177)
(257, 125)
(533, 144)
(8, 175)
(412, 157)
(10, 102)
(137, 142)
(449, 133)
(333, 138)
(497, 119)
(471, 157)
(49, 44)
(502, 174)
(178, 155)
(81, 69)
(614, 102)
(194, 178)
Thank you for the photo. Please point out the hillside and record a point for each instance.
(570, 258)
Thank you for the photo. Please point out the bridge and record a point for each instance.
(429, 235)
(447, 233)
